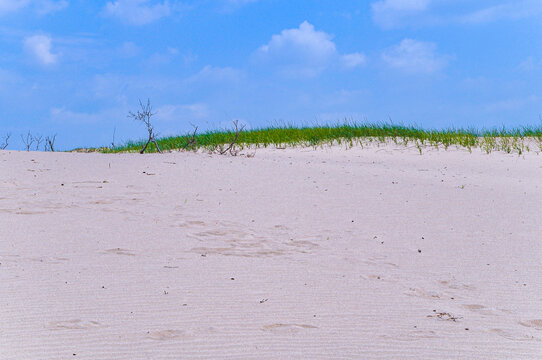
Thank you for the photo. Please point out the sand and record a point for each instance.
(375, 253)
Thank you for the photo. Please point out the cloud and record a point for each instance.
(390, 13)
(240, 2)
(530, 64)
(216, 74)
(48, 7)
(137, 12)
(39, 46)
(187, 112)
(7, 6)
(304, 52)
(353, 60)
(128, 49)
(41, 7)
(510, 10)
(414, 56)
(511, 104)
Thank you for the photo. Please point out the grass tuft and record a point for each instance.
(350, 134)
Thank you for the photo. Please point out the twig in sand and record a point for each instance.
(144, 115)
(192, 142)
(231, 146)
(113, 142)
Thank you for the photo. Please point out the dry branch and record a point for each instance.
(50, 143)
(38, 139)
(28, 140)
(192, 142)
(231, 146)
(144, 115)
(5, 141)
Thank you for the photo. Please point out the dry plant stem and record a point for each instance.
(192, 142)
(113, 142)
(50, 143)
(6, 142)
(38, 140)
(144, 115)
(27, 140)
(232, 144)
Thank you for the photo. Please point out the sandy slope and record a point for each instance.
(358, 254)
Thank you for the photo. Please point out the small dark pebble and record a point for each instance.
(232, 278)
(419, 251)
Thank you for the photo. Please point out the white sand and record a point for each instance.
(291, 254)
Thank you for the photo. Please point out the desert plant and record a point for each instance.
(144, 115)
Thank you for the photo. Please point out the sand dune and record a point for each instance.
(319, 254)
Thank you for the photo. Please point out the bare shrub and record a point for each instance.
(50, 143)
(191, 143)
(144, 115)
(28, 140)
(38, 139)
(113, 141)
(5, 141)
(231, 146)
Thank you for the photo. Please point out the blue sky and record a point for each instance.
(76, 67)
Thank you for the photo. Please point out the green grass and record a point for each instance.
(351, 134)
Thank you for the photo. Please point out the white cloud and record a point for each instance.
(240, 2)
(137, 12)
(214, 74)
(47, 6)
(304, 52)
(187, 112)
(396, 13)
(354, 60)
(510, 10)
(511, 104)
(389, 13)
(415, 57)
(39, 46)
(42, 7)
(7, 6)
(128, 49)
(67, 116)
(530, 64)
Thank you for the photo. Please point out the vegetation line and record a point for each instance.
(510, 141)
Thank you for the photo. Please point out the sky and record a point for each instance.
(76, 68)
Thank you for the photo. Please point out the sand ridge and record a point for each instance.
(375, 253)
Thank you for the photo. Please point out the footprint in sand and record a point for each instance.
(119, 251)
(417, 292)
(510, 335)
(165, 334)
(75, 324)
(480, 309)
(288, 327)
(414, 335)
(227, 239)
(537, 324)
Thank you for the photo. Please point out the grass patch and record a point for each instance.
(350, 134)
